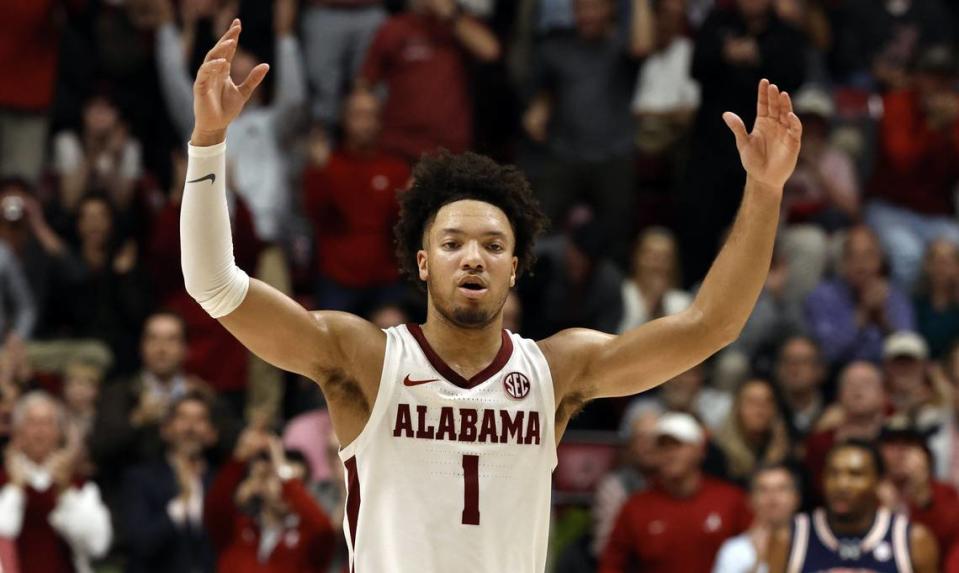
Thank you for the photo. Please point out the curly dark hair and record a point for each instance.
(443, 178)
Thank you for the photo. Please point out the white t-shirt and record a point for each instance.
(665, 81)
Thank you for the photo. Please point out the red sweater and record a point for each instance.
(303, 548)
(657, 533)
(29, 44)
(424, 67)
(917, 167)
(40, 548)
(352, 204)
(940, 515)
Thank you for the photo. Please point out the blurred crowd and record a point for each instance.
(140, 436)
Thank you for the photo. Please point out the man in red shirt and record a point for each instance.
(350, 197)
(681, 522)
(910, 487)
(916, 171)
(420, 57)
(260, 515)
(29, 53)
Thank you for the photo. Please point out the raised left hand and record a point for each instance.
(769, 153)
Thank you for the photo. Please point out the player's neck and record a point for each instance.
(466, 350)
(853, 526)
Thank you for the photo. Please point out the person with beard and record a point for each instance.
(853, 532)
(163, 500)
(450, 427)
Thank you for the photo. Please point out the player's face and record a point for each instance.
(774, 497)
(849, 483)
(163, 346)
(468, 263)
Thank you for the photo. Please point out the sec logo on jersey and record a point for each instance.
(517, 385)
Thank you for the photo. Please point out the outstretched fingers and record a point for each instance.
(736, 125)
(773, 97)
(762, 99)
(256, 76)
(226, 46)
(785, 108)
(794, 127)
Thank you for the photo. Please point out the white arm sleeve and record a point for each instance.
(206, 243)
(12, 503)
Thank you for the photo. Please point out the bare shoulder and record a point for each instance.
(568, 353)
(923, 549)
(360, 344)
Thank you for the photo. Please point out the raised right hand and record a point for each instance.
(216, 99)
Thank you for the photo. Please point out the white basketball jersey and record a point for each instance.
(453, 475)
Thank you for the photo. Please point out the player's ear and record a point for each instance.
(421, 263)
(512, 274)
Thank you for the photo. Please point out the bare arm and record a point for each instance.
(923, 550)
(327, 347)
(591, 365)
(642, 30)
(471, 33)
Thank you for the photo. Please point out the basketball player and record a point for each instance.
(853, 533)
(449, 429)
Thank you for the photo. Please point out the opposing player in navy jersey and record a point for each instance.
(853, 533)
(449, 428)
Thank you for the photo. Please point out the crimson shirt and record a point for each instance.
(917, 167)
(424, 67)
(352, 205)
(303, 548)
(940, 515)
(658, 533)
(29, 49)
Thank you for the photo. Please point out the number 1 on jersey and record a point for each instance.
(471, 514)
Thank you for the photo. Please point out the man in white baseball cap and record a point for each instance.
(904, 364)
(683, 509)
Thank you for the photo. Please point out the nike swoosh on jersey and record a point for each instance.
(210, 176)
(408, 382)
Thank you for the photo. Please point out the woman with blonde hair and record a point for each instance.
(755, 432)
(653, 289)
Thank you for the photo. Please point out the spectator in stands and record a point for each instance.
(851, 314)
(774, 496)
(739, 43)
(876, 42)
(905, 366)
(656, 529)
(666, 96)
(580, 108)
(575, 284)
(111, 297)
(163, 499)
(688, 392)
(336, 35)
(636, 471)
(350, 198)
(45, 258)
(129, 415)
(101, 156)
(799, 375)
(56, 517)
(256, 158)
(916, 171)
(653, 290)
(859, 414)
(944, 443)
(82, 379)
(421, 58)
(754, 432)
(29, 54)
(911, 488)
(937, 297)
(260, 515)
(821, 196)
